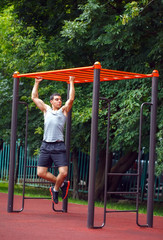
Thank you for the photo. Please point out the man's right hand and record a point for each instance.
(71, 78)
(38, 79)
(39, 103)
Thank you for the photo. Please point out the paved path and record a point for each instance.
(39, 222)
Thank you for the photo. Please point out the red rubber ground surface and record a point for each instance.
(38, 221)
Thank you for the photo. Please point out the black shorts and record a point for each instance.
(52, 152)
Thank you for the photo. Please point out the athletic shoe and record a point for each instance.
(65, 189)
(54, 195)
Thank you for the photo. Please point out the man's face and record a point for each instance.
(56, 102)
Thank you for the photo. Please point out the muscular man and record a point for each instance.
(53, 147)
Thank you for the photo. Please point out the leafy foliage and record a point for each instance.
(122, 35)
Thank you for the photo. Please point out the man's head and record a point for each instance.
(53, 95)
(56, 101)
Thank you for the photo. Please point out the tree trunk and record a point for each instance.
(100, 176)
(121, 166)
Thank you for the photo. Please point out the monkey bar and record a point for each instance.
(83, 74)
(95, 74)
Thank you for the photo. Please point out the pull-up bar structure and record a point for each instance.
(83, 74)
(95, 74)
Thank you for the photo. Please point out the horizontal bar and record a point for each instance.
(31, 166)
(38, 182)
(122, 192)
(37, 198)
(28, 166)
(125, 73)
(123, 174)
(104, 99)
(53, 71)
(113, 211)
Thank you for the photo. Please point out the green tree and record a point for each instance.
(122, 35)
(24, 50)
(134, 37)
(45, 16)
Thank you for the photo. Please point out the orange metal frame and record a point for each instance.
(85, 74)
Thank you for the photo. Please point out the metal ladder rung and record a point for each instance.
(28, 166)
(37, 197)
(122, 174)
(31, 166)
(122, 192)
(38, 182)
(114, 211)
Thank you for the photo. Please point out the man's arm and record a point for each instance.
(34, 96)
(68, 105)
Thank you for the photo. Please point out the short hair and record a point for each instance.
(54, 94)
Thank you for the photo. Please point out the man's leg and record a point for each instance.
(63, 171)
(64, 185)
(43, 173)
(60, 184)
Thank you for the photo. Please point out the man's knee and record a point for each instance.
(64, 174)
(63, 171)
(41, 171)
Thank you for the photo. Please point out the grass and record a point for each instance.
(116, 204)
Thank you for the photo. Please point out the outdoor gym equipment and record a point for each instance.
(95, 74)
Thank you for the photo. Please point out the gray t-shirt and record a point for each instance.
(54, 122)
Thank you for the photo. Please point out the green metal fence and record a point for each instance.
(31, 173)
(126, 184)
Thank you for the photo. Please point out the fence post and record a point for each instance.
(13, 144)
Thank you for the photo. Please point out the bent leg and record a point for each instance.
(63, 171)
(43, 173)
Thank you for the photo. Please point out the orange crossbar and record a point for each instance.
(84, 74)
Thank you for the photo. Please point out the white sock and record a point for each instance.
(55, 190)
(62, 184)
